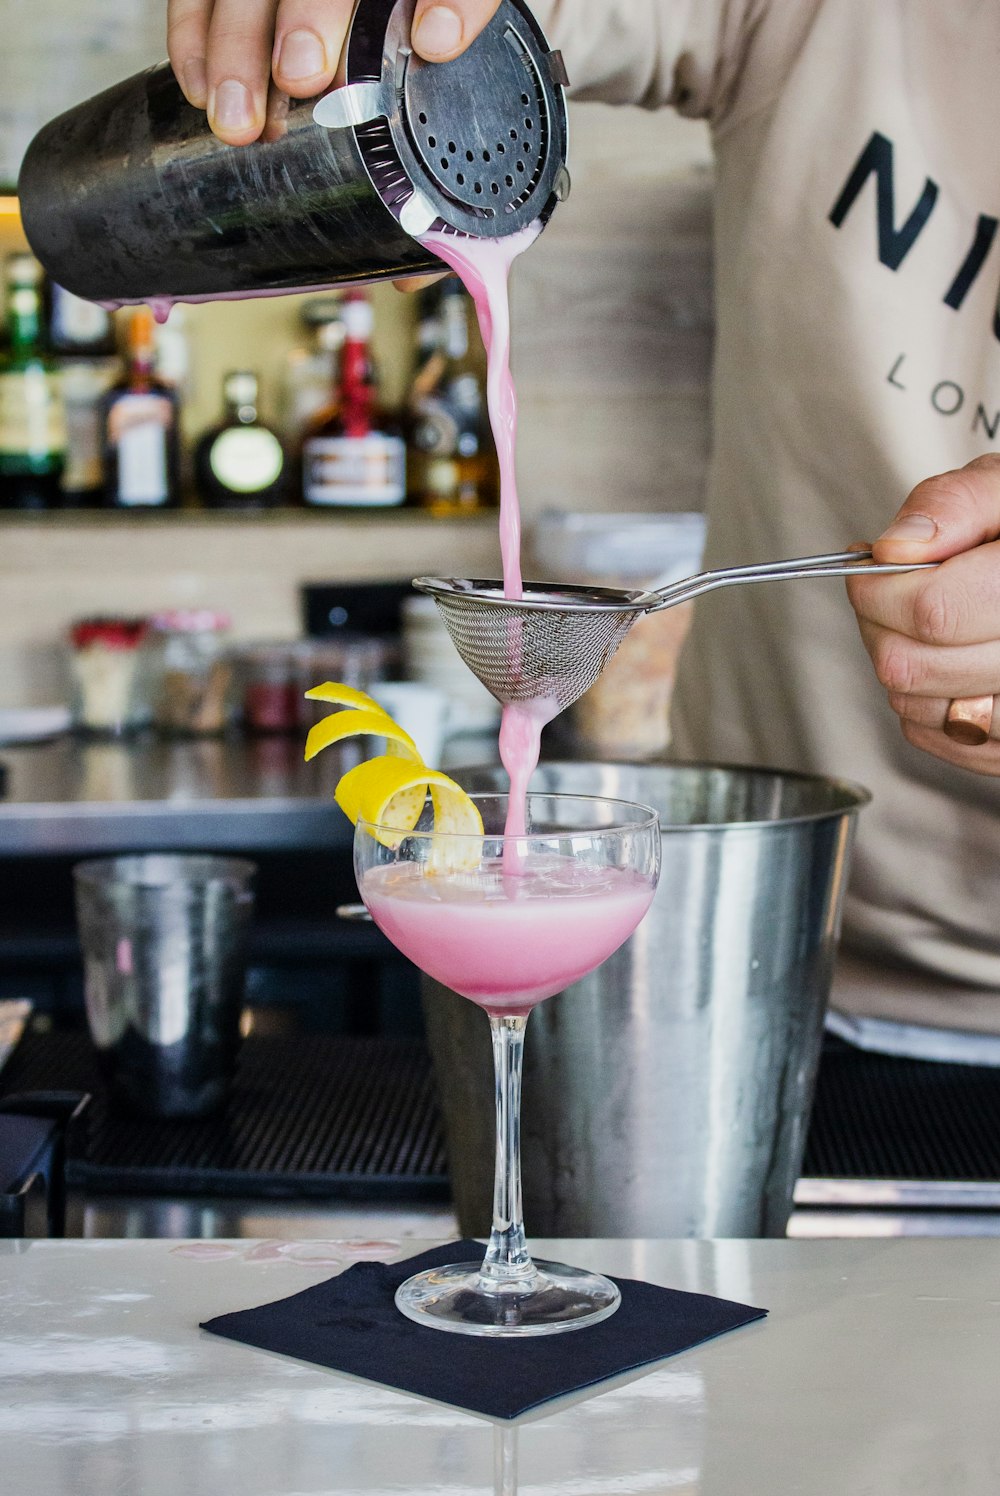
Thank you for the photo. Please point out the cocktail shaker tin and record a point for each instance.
(130, 197)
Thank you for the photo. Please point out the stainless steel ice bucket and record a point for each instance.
(164, 952)
(668, 1093)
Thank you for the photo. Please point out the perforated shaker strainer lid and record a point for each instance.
(476, 145)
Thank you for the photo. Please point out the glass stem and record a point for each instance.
(504, 1460)
(507, 1259)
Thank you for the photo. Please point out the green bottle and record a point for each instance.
(32, 416)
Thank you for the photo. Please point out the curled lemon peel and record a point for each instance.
(353, 724)
(389, 792)
(374, 784)
(340, 695)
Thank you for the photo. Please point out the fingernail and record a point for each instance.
(438, 32)
(196, 81)
(302, 55)
(231, 105)
(911, 527)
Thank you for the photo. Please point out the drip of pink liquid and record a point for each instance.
(160, 306)
(484, 266)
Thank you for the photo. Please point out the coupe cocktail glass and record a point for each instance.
(507, 921)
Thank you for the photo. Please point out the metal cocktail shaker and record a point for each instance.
(164, 941)
(129, 197)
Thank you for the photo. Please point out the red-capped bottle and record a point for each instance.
(140, 422)
(353, 456)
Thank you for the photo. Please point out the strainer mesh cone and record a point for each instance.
(551, 646)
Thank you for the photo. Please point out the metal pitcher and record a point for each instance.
(129, 196)
(668, 1093)
(164, 942)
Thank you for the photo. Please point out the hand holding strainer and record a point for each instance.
(551, 644)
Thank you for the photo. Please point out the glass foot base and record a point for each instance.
(552, 1298)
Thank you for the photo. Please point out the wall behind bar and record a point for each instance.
(612, 347)
(51, 574)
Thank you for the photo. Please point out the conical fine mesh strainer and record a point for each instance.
(551, 645)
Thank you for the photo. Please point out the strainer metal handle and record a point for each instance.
(551, 644)
(838, 564)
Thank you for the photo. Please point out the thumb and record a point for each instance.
(946, 515)
(442, 29)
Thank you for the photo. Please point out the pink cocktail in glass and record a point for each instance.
(508, 942)
(508, 921)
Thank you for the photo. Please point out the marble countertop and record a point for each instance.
(876, 1372)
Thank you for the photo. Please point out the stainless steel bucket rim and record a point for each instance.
(853, 797)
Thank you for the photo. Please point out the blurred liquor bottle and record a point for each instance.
(310, 368)
(240, 463)
(452, 459)
(32, 413)
(77, 328)
(353, 456)
(140, 429)
(81, 335)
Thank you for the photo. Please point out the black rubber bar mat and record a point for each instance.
(308, 1116)
(358, 1118)
(879, 1117)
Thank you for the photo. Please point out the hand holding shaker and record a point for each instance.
(129, 197)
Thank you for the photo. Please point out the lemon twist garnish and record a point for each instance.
(351, 724)
(390, 791)
(341, 695)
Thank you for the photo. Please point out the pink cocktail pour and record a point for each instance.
(507, 951)
(527, 924)
(484, 268)
(520, 744)
(483, 265)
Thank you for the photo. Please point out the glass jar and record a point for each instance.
(626, 713)
(108, 663)
(358, 660)
(270, 689)
(193, 673)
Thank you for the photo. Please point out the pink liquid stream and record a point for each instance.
(484, 266)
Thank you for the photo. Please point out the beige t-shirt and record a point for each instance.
(858, 351)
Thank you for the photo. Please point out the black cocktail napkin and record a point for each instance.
(351, 1324)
